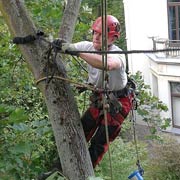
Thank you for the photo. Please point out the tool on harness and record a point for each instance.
(114, 105)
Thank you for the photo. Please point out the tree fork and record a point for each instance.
(61, 105)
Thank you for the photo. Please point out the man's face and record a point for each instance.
(97, 40)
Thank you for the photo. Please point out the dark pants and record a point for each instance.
(94, 128)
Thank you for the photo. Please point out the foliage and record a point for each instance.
(123, 160)
(149, 106)
(94, 178)
(26, 139)
(164, 161)
(73, 66)
(46, 14)
(25, 149)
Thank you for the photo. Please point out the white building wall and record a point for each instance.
(145, 19)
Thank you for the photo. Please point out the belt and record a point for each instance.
(118, 94)
(121, 93)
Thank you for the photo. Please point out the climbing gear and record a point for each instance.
(136, 175)
(96, 100)
(115, 106)
(121, 93)
(104, 29)
(28, 39)
(113, 26)
(41, 36)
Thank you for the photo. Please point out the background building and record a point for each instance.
(153, 25)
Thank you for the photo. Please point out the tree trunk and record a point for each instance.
(62, 108)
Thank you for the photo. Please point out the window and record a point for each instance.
(174, 19)
(155, 85)
(175, 98)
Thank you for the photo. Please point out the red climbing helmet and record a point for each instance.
(112, 24)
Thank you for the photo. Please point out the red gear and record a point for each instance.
(94, 127)
(112, 24)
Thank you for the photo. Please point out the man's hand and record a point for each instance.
(65, 47)
(57, 44)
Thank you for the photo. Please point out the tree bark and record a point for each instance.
(61, 105)
(69, 19)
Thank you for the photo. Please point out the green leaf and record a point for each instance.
(20, 127)
(18, 115)
(21, 148)
(4, 108)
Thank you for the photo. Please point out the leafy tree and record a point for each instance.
(150, 107)
(59, 99)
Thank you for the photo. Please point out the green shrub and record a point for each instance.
(123, 158)
(164, 162)
(26, 150)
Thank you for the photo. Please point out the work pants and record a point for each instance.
(93, 122)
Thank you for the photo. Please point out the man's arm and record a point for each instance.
(95, 60)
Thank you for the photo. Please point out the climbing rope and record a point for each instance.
(40, 36)
(133, 119)
(133, 116)
(105, 75)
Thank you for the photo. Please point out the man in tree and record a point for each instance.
(118, 95)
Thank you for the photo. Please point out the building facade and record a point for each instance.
(155, 25)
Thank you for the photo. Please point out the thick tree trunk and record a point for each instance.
(62, 108)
